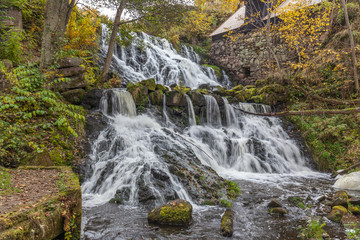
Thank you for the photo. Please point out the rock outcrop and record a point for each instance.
(173, 213)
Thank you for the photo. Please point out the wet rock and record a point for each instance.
(205, 86)
(176, 99)
(340, 198)
(218, 99)
(95, 122)
(354, 201)
(350, 221)
(160, 175)
(227, 223)
(70, 62)
(156, 98)
(121, 195)
(350, 181)
(197, 99)
(274, 204)
(173, 213)
(74, 96)
(150, 84)
(321, 199)
(278, 210)
(354, 209)
(91, 100)
(337, 213)
(139, 93)
(162, 88)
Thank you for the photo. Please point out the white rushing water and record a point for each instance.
(151, 57)
(124, 156)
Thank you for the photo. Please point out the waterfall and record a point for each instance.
(255, 108)
(117, 101)
(225, 80)
(231, 118)
(192, 119)
(213, 117)
(152, 57)
(124, 162)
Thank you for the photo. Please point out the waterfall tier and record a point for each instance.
(151, 57)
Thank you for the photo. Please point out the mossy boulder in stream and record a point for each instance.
(139, 93)
(173, 213)
(227, 223)
(337, 213)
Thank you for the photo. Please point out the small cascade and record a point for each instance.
(225, 81)
(231, 118)
(259, 145)
(117, 101)
(152, 57)
(255, 107)
(188, 52)
(213, 117)
(192, 119)
(168, 123)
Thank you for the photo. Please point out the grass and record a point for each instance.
(6, 187)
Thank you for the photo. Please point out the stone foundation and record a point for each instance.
(246, 58)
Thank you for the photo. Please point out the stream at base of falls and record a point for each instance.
(252, 220)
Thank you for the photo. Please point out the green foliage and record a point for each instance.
(352, 8)
(181, 89)
(330, 137)
(30, 114)
(353, 232)
(232, 189)
(5, 182)
(225, 203)
(313, 230)
(10, 45)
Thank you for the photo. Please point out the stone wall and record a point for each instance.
(246, 58)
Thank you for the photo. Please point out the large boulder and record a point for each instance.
(176, 99)
(337, 213)
(197, 99)
(350, 181)
(274, 203)
(139, 93)
(91, 100)
(173, 213)
(70, 62)
(74, 96)
(150, 84)
(156, 98)
(227, 223)
(71, 71)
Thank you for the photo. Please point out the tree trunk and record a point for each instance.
(113, 39)
(57, 14)
(346, 15)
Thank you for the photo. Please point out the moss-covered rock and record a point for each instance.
(227, 223)
(156, 98)
(139, 93)
(337, 213)
(161, 88)
(175, 99)
(354, 209)
(74, 96)
(278, 210)
(173, 213)
(274, 203)
(149, 83)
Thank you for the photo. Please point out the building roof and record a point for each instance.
(290, 5)
(235, 21)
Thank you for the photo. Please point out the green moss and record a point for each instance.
(209, 202)
(217, 70)
(232, 189)
(149, 83)
(227, 222)
(225, 203)
(161, 87)
(174, 213)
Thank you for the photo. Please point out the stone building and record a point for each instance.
(245, 58)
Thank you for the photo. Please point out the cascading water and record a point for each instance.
(123, 158)
(152, 57)
(192, 119)
(213, 117)
(231, 118)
